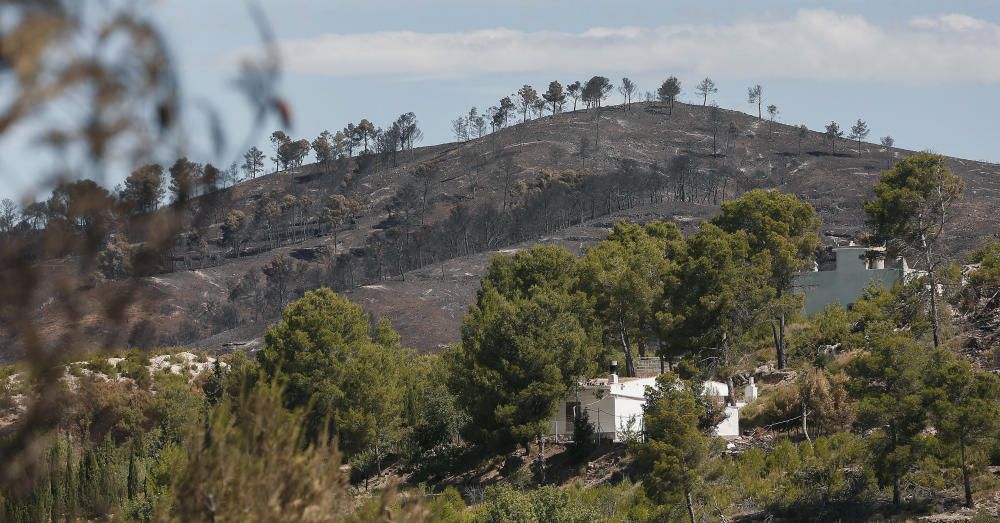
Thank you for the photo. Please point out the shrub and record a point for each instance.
(448, 507)
(134, 366)
(781, 405)
(503, 503)
(583, 438)
(100, 365)
(256, 468)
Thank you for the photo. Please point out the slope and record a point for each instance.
(564, 178)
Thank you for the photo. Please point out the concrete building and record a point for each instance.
(855, 269)
(614, 407)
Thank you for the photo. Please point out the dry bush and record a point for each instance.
(106, 70)
(253, 465)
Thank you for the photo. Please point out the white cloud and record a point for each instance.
(952, 22)
(813, 44)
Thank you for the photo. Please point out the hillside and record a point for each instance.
(414, 250)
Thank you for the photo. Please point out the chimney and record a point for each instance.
(613, 379)
(878, 261)
(750, 392)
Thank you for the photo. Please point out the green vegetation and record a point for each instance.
(887, 383)
(788, 230)
(625, 275)
(678, 443)
(524, 344)
(717, 297)
(868, 419)
(911, 212)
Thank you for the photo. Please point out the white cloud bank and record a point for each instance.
(813, 44)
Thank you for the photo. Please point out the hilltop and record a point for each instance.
(415, 245)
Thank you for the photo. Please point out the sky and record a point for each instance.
(925, 72)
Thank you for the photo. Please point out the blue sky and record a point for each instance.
(925, 72)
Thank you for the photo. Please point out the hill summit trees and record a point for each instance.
(595, 91)
(668, 92)
(555, 96)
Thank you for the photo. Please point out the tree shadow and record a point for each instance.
(828, 153)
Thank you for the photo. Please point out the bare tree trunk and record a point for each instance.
(629, 363)
(965, 478)
(935, 321)
(781, 341)
(805, 426)
(778, 331)
(725, 361)
(541, 457)
(690, 505)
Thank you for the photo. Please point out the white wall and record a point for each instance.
(600, 412)
(610, 414)
(730, 427)
(625, 408)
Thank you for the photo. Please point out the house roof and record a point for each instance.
(636, 387)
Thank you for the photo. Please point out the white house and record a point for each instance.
(614, 407)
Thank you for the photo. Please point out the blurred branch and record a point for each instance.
(119, 88)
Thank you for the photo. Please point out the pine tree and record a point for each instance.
(669, 91)
(326, 352)
(555, 96)
(965, 407)
(859, 131)
(912, 210)
(525, 342)
(833, 133)
(677, 450)
(888, 383)
(705, 88)
(801, 134)
(785, 227)
(583, 437)
(755, 95)
(623, 274)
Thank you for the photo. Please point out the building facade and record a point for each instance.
(855, 269)
(614, 407)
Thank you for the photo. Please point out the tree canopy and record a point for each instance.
(677, 448)
(330, 359)
(668, 91)
(779, 223)
(625, 275)
(719, 294)
(519, 356)
(788, 230)
(912, 209)
(888, 384)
